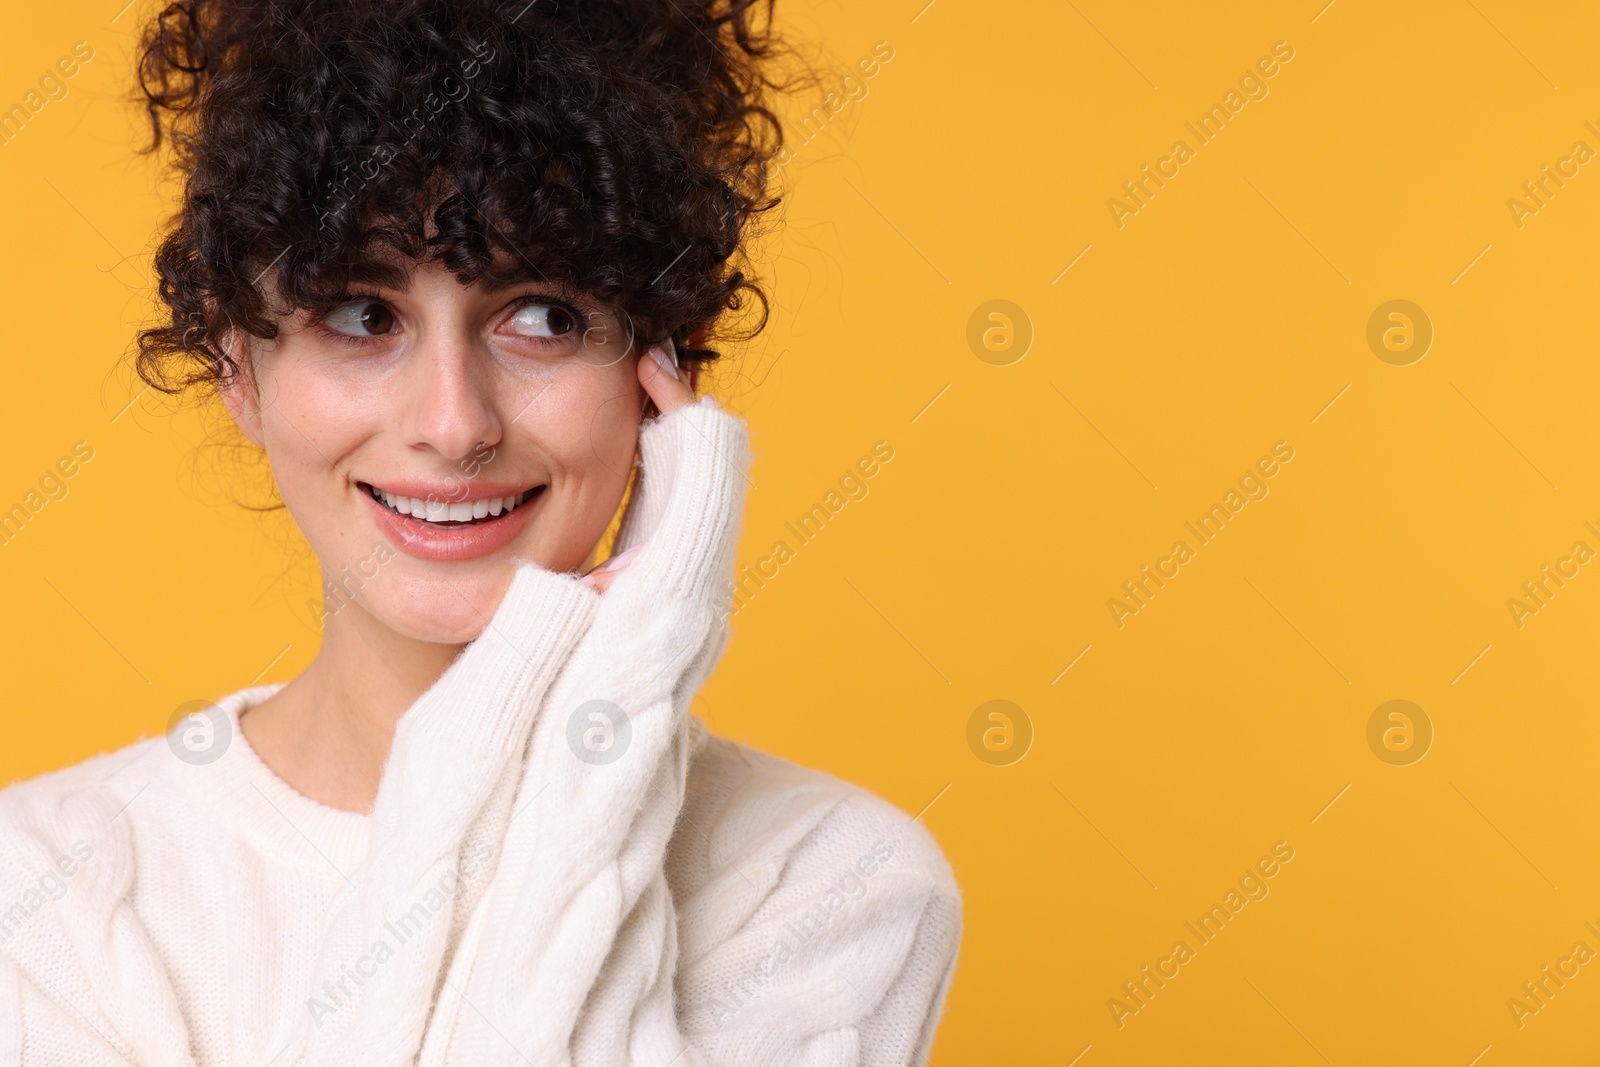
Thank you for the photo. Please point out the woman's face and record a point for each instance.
(502, 422)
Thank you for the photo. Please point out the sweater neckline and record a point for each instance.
(241, 789)
(246, 792)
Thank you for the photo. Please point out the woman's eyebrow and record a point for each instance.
(394, 278)
(493, 285)
(381, 275)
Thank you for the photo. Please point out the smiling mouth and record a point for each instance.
(451, 515)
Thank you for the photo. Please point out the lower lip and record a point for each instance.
(417, 538)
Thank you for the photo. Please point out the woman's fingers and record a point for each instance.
(603, 575)
(663, 379)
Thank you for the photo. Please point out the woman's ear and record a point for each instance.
(239, 392)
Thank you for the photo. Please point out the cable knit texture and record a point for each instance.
(563, 867)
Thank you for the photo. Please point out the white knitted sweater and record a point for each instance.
(562, 868)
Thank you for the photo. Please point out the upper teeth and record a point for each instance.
(446, 511)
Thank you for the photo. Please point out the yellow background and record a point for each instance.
(1223, 317)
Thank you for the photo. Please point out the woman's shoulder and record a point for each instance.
(741, 800)
(25, 801)
(806, 905)
(57, 820)
(59, 831)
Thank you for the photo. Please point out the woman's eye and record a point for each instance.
(541, 320)
(361, 318)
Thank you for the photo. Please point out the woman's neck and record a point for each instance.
(328, 732)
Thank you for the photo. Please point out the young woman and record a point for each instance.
(448, 263)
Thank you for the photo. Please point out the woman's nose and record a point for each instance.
(451, 396)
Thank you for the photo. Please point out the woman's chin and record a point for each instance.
(452, 613)
(442, 631)
(445, 603)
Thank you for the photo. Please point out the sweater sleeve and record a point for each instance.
(441, 808)
(821, 923)
(80, 979)
(578, 966)
(35, 1031)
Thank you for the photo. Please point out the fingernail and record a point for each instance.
(619, 560)
(709, 399)
(666, 356)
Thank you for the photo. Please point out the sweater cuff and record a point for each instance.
(696, 461)
(485, 698)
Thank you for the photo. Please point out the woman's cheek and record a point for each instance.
(595, 421)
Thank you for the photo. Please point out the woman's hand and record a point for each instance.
(663, 381)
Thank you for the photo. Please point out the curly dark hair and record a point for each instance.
(615, 148)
